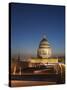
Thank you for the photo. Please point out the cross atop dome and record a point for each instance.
(44, 36)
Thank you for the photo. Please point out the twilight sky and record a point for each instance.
(30, 22)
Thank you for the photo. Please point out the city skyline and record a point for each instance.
(28, 24)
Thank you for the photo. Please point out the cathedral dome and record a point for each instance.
(44, 49)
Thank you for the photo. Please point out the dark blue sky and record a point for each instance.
(30, 22)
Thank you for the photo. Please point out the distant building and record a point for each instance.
(44, 54)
